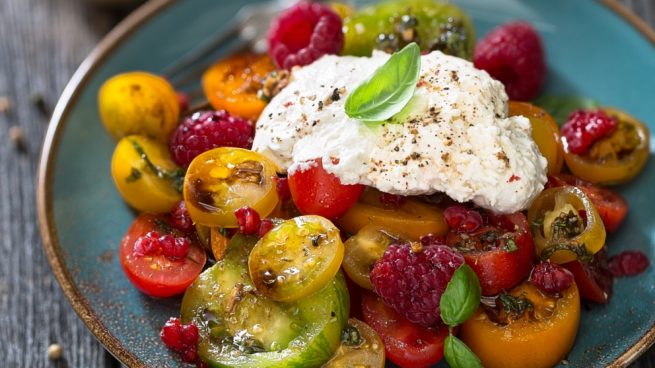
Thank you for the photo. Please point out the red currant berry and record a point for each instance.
(551, 277)
(282, 188)
(248, 219)
(628, 263)
(180, 218)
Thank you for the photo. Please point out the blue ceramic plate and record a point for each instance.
(591, 50)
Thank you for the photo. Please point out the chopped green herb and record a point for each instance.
(510, 246)
(579, 250)
(567, 226)
(514, 305)
(350, 336)
(176, 177)
(135, 175)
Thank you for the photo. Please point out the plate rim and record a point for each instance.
(69, 99)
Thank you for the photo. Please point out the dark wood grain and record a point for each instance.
(41, 44)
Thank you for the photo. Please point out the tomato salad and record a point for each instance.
(303, 266)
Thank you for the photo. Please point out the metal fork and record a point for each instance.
(246, 32)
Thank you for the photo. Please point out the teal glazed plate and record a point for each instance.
(594, 49)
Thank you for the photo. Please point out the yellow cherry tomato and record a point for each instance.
(413, 217)
(233, 83)
(364, 249)
(296, 258)
(145, 175)
(539, 337)
(545, 133)
(139, 103)
(222, 180)
(362, 347)
(616, 158)
(559, 231)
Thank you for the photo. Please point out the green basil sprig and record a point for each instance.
(458, 303)
(389, 89)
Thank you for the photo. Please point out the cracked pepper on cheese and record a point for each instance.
(454, 135)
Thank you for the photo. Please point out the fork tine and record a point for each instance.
(205, 49)
(186, 78)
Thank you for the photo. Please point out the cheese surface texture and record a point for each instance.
(453, 136)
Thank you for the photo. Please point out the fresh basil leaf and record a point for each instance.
(559, 107)
(461, 298)
(458, 355)
(389, 89)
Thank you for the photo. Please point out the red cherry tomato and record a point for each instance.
(317, 192)
(611, 206)
(405, 344)
(594, 279)
(501, 253)
(157, 275)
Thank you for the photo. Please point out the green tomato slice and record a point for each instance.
(239, 327)
(434, 25)
(296, 258)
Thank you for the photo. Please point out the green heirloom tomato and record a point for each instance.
(241, 328)
(389, 26)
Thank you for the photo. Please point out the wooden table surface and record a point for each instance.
(41, 44)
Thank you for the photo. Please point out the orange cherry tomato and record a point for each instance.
(537, 337)
(412, 218)
(616, 158)
(232, 84)
(545, 133)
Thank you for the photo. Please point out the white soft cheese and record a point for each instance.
(453, 137)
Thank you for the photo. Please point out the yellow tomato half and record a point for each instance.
(412, 218)
(145, 175)
(617, 158)
(555, 239)
(545, 133)
(222, 180)
(540, 338)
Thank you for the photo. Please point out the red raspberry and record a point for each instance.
(461, 219)
(203, 131)
(181, 338)
(584, 127)
(412, 281)
(628, 263)
(513, 54)
(180, 218)
(248, 219)
(304, 33)
(551, 277)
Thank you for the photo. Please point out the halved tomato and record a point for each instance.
(222, 180)
(501, 253)
(317, 192)
(412, 217)
(616, 158)
(406, 344)
(594, 279)
(158, 275)
(611, 206)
